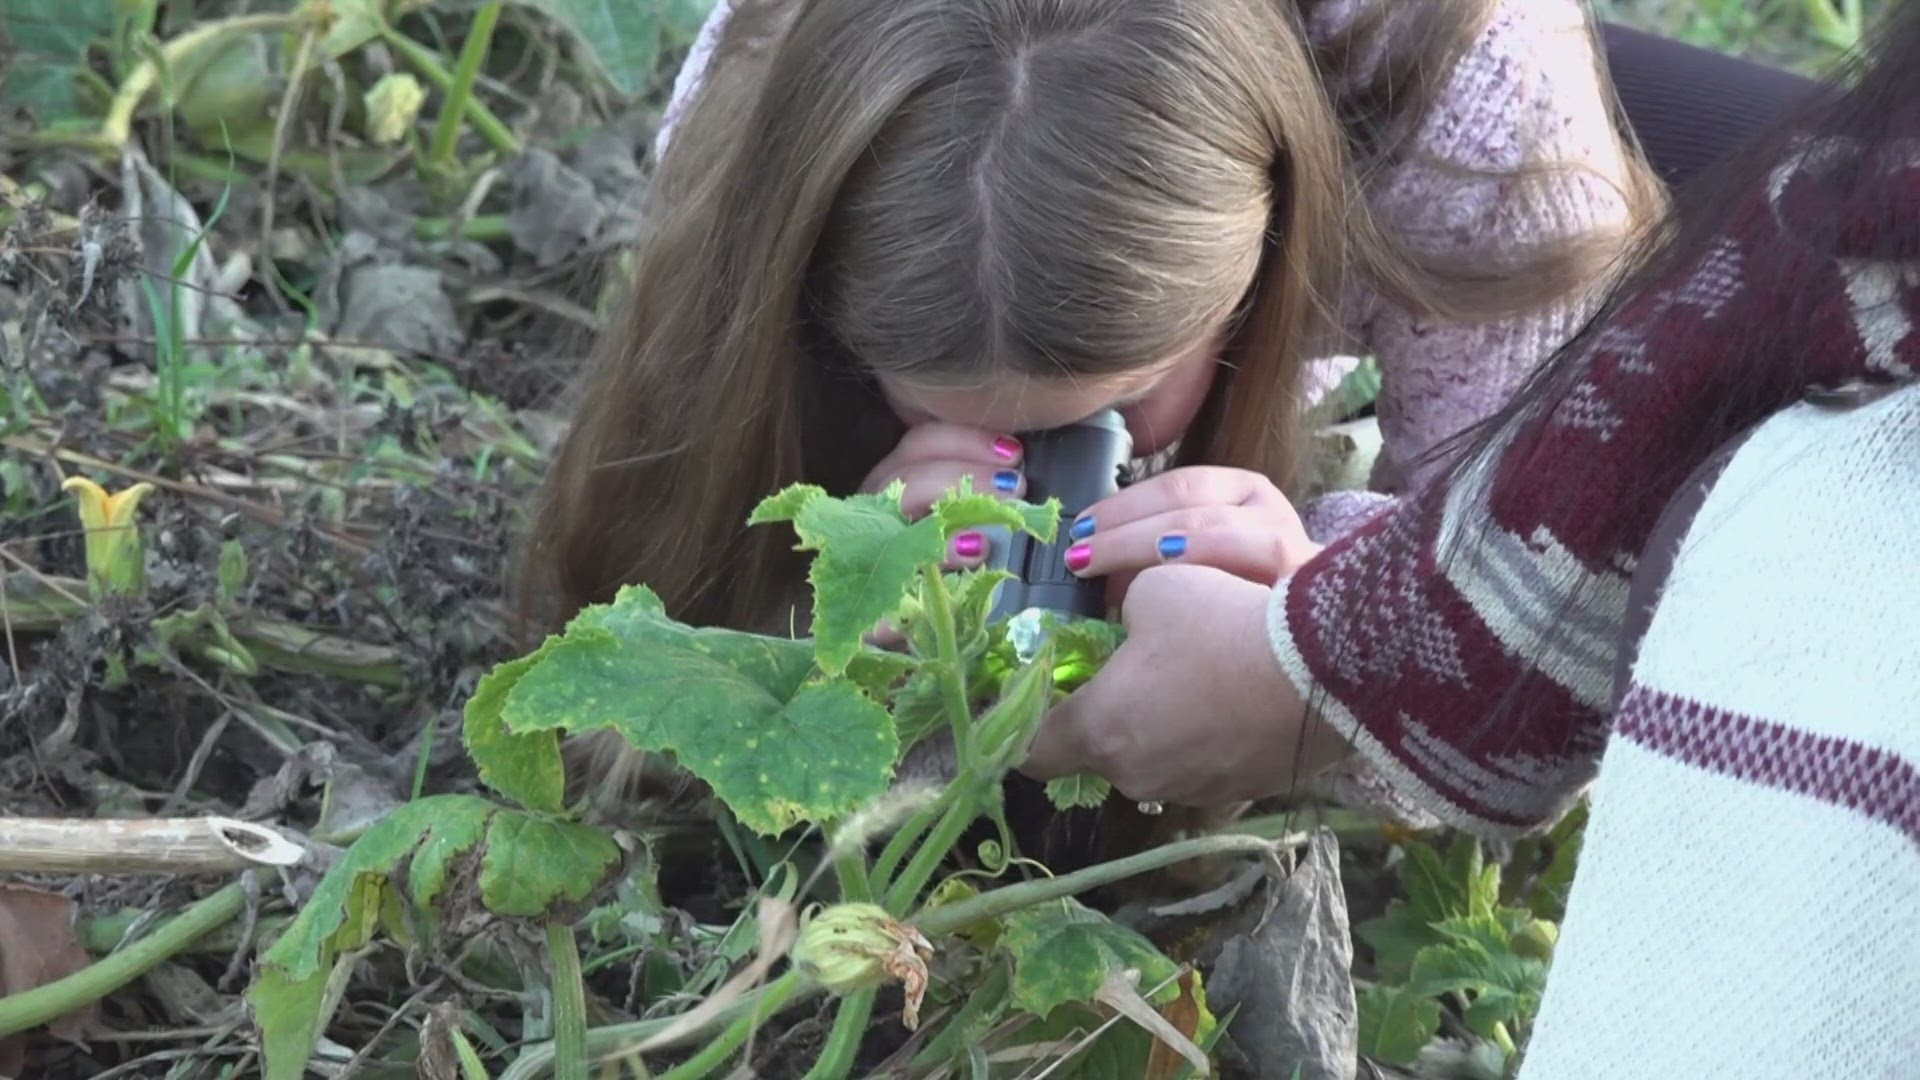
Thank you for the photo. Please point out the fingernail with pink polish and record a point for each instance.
(969, 545)
(1006, 448)
(1078, 556)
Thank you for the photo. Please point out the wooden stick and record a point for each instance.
(207, 845)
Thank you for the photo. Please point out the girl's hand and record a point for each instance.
(1192, 708)
(1202, 515)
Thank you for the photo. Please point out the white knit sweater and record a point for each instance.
(1748, 900)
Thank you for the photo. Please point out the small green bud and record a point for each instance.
(233, 570)
(1536, 939)
(392, 104)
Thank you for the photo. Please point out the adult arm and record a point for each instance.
(1463, 641)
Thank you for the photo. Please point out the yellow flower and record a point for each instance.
(392, 105)
(116, 558)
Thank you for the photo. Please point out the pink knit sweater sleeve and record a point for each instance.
(1528, 92)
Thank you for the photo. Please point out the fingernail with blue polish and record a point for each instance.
(1172, 546)
(1006, 480)
(1082, 528)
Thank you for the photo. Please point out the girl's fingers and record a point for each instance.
(1191, 487)
(946, 442)
(1246, 542)
(968, 550)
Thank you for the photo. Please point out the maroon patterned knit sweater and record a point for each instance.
(1409, 652)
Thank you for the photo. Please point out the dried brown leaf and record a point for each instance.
(38, 946)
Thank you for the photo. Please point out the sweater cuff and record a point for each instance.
(1373, 776)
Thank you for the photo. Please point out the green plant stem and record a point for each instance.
(569, 1003)
(102, 934)
(31, 1008)
(851, 869)
(117, 127)
(953, 677)
(843, 1043)
(897, 846)
(961, 813)
(717, 1053)
(497, 134)
(473, 53)
(1348, 825)
(791, 988)
(427, 731)
(35, 608)
(948, 918)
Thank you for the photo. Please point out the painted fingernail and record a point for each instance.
(1006, 480)
(970, 545)
(1007, 448)
(1172, 546)
(1082, 528)
(1078, 556)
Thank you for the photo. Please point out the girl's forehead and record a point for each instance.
(1016, 403)
(1020, 403)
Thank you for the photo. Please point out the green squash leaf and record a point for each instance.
(288, 1014)
(870, 555)
(343, 912)
(738, 710)
(920, 708)
(1396, 938)
(1431, 894)
(1081, 647)
(1467, 965)
(455, 822)
(1081, 790)
(1549, 896)
(621, 39)
(46, 44)
(525, 768)
(533, 863)
(963, 508)
(681, 20)
(1396, 1024)
(1063, 951)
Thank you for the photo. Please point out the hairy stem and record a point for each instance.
(31, 1008)
(569, 1004)
(897, 847)
(117, 126)
(849, 1027)
(948, 918)
(953, 677)
(718, 1052)
(472, 54)
(961, 813)
(618, 1039)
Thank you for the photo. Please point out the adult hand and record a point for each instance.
(1202, 515)
(1192, 708)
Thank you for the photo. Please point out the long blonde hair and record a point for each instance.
(958, 190)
